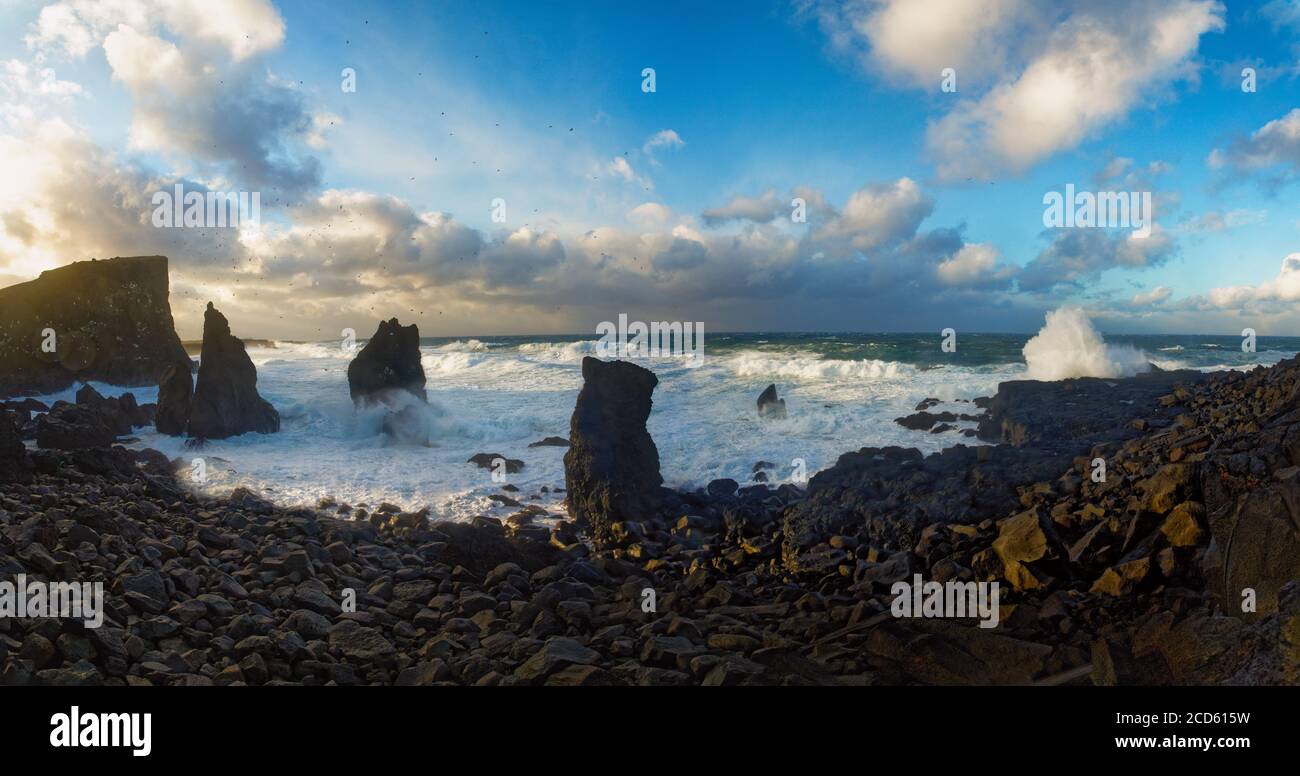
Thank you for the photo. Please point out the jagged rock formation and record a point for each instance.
(226, 402)
(769, 406)
(389, 362)
(175, 394)
(91, 320)
(94, 421)
(611, 469)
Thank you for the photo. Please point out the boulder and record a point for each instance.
(226, 402)
(122, 414)
(15, 463)
(769, 406)
(175, 394)
(91, 320)
(389, 362)
(74, 427)
(611, 469)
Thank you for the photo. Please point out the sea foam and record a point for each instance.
(1068, 346)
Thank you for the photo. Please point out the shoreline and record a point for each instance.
(751, 586)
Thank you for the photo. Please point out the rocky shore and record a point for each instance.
(1139, 577)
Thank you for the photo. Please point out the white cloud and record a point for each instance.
(240, 28)
(1275, 143)
(664, 138)
(1033, 78)
(21, 81)
(761, 209)
(973, 262)
(878, 215)
(1153, 297)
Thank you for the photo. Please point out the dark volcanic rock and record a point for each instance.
(389, 362)
(175, 394)
(15, 463)
(611, 470)
(122, 414)
(551, 441)
(74, 427)
(769, 406)
(226, 402)
(110, 319)
(1081, 411)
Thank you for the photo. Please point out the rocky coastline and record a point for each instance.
(1136, 579)
(1143, 530)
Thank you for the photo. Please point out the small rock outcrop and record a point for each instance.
(389, 362)
(175, 394)
(226, 402)
(94, 421)
(108, 321)
(611, 469)
(769, 406)
(15, 463)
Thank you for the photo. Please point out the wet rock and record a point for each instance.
(226, 402)
(175, 393)
(769, 405)
(612, 468)
(110, 321)
(389, 362)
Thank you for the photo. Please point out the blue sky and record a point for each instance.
(459, 104)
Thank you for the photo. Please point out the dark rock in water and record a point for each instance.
(121, 414)
(226, 402)
(107, 320)
(484, 461)
(923, 420)
(551, 441)
(390, 361)
(15, 464)
(612, 468)
(926, 404)
(1077, 412)
(75, 427)
(769, 406)
(175, 394)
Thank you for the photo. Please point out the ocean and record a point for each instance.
(499, 394)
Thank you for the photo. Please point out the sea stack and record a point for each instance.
(611, 469)
(91, 320)
(175, 394)
(769, 406)
(389, 362)
(226, 402)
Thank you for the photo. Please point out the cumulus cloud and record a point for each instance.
(974, 264)
(761, 209)
(201, 96)
(1283, 289)
(1274, 145)
(1034, 78)
(877, 215)
(1077, 256)
(241, 28)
